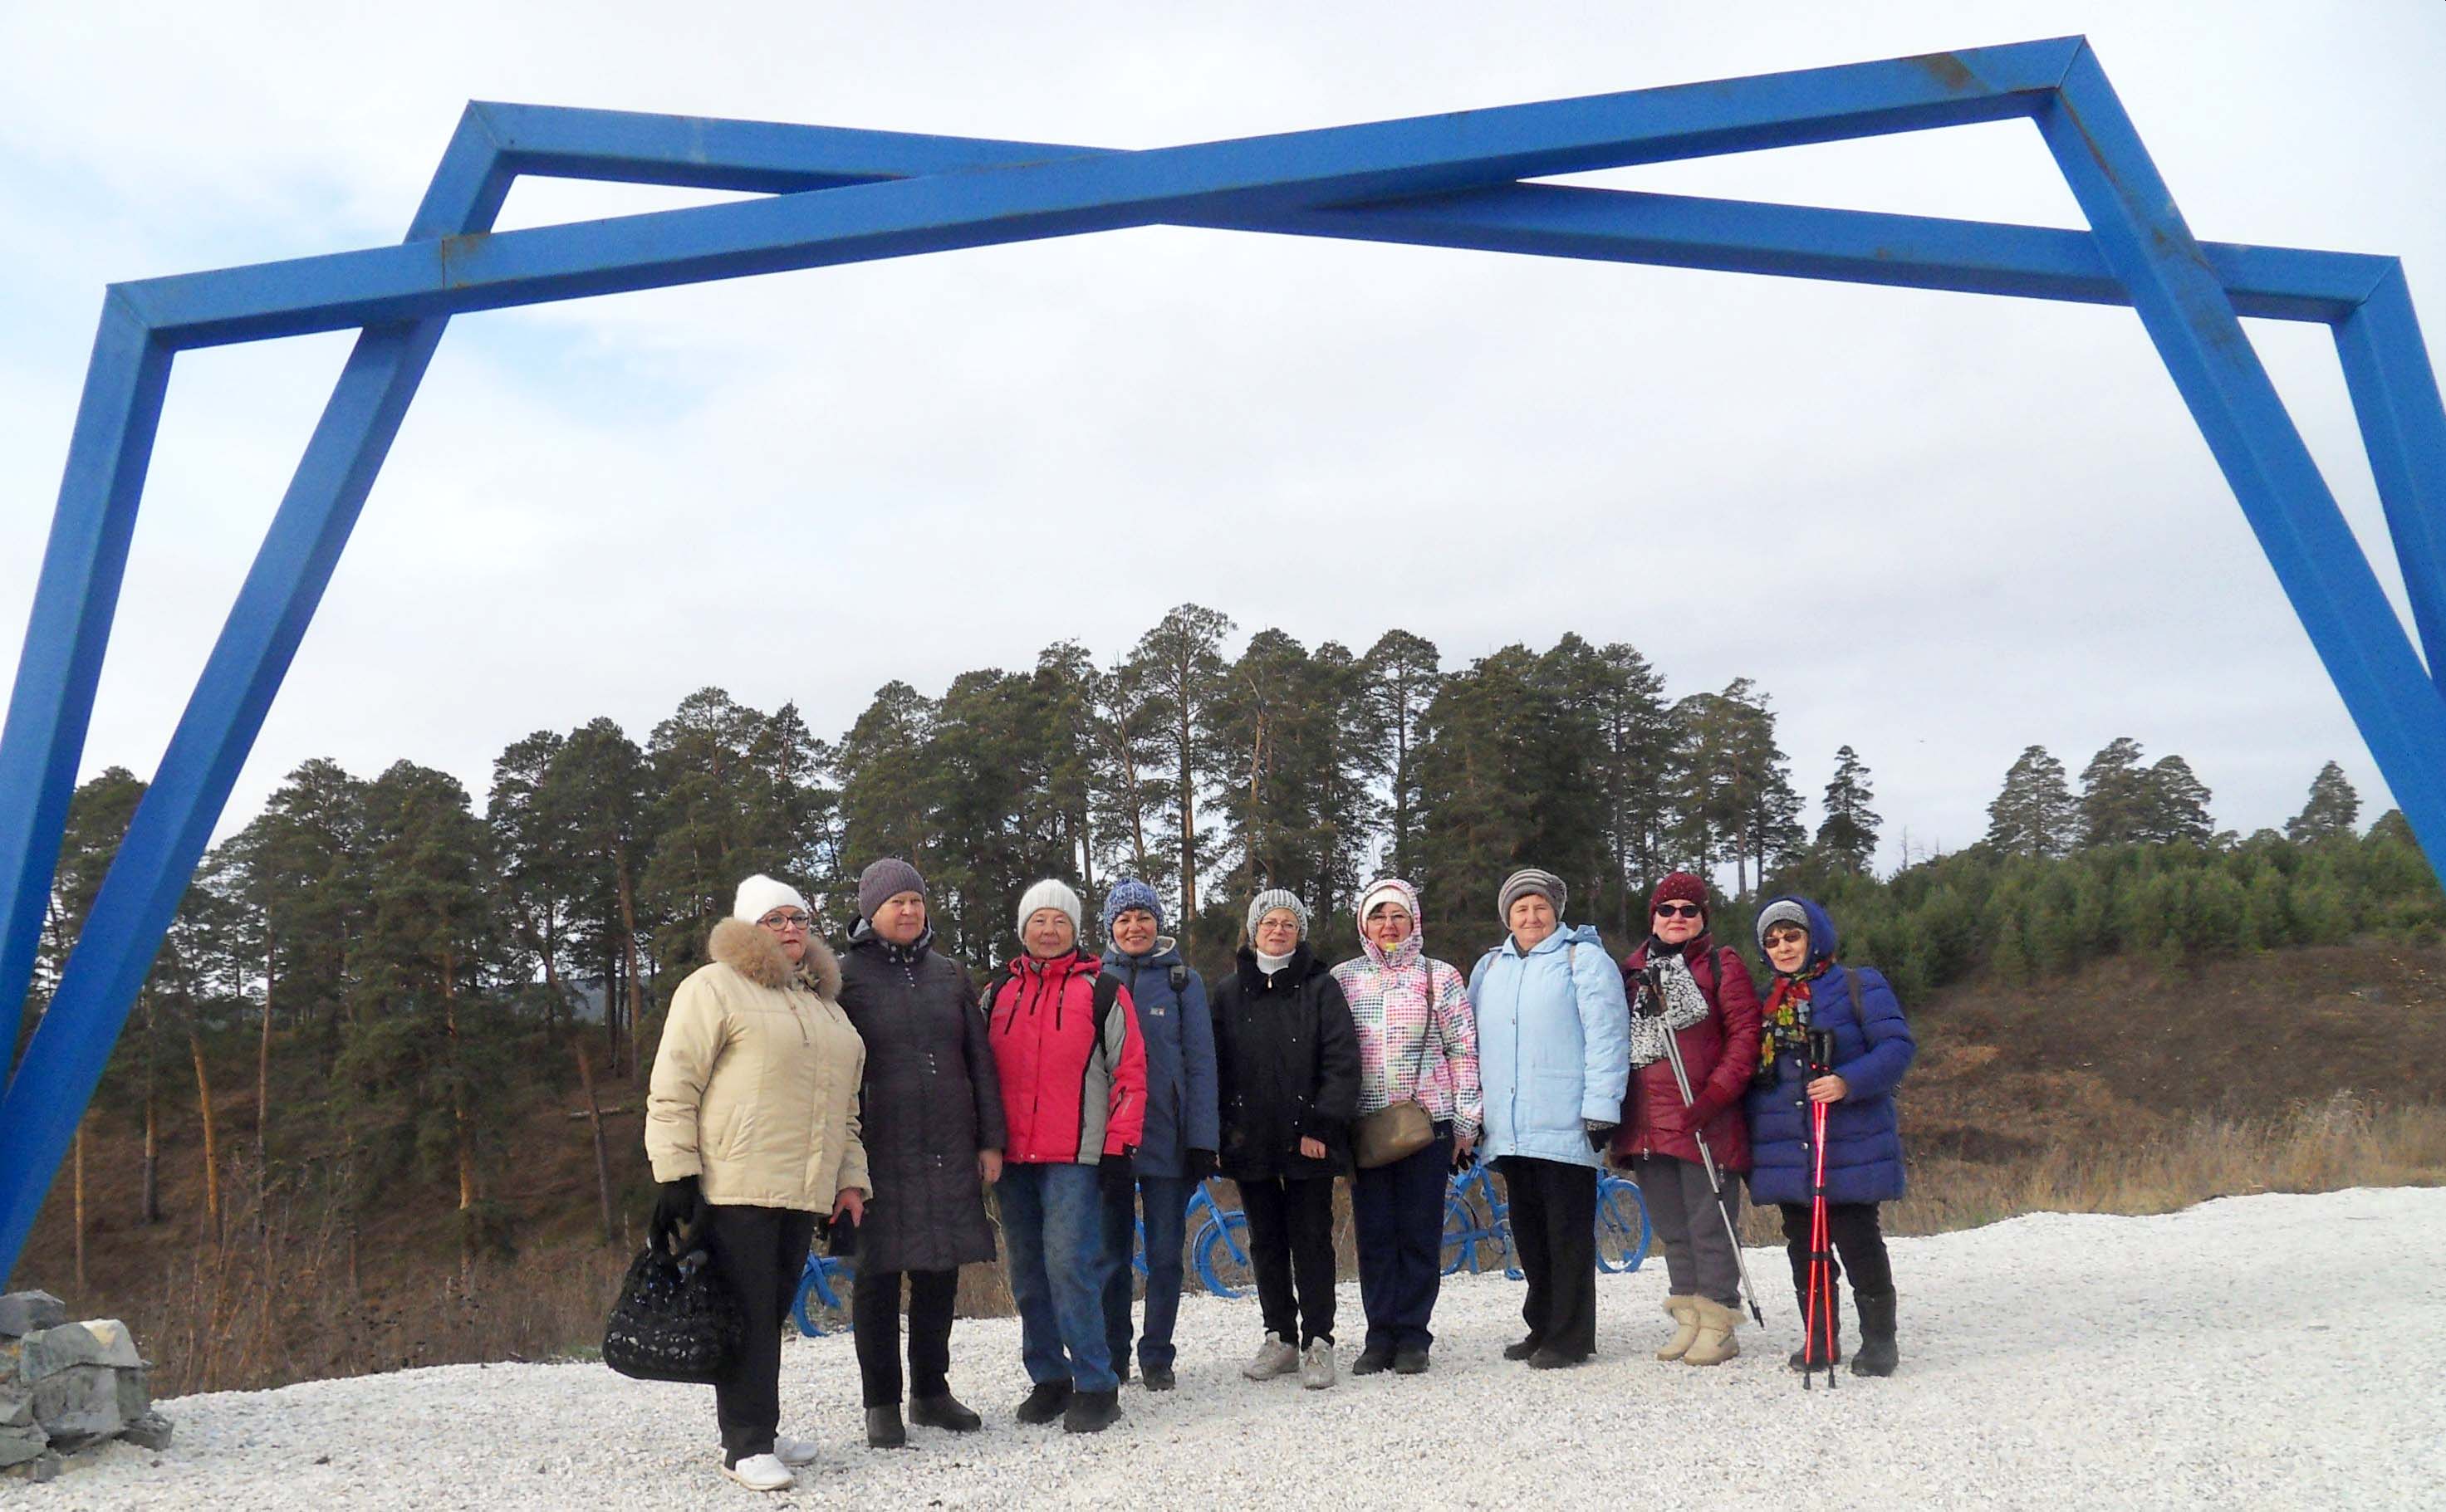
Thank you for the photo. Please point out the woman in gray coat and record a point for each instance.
(933, 1136)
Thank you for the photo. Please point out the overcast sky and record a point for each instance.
(1936, 527)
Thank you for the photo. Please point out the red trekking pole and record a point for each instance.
(1818, 1341)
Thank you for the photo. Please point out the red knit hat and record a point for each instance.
(1679, 887)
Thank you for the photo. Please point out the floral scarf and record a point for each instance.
(1785, 1019)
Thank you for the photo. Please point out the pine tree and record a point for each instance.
(1179, 664)
(2117, 805)
(2177, 805)
(2036, 814)
(1399, 676)
(2333, 810)
(1849, 834)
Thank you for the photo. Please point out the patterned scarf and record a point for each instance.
(1786, 1018)
(1685, 1005)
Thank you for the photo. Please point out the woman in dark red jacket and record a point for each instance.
(1711, 1009)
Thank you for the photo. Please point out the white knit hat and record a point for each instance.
(759, 895)
(1050, 893)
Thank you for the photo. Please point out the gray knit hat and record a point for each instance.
(1272, 899)
(1783, 910)
(1524, 882)
(1050, 893)
(885, 880)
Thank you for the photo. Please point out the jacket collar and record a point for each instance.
(1302, 965)
(754, 952)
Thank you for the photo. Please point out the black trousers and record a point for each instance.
(1858, 1239)
(874, 1321)
(1553, 1227)
(1290, 1248)
(761, 1252)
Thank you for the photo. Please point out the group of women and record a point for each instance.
(889, 1093)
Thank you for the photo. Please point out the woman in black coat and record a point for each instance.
(1286, 1070)
(934, 1129)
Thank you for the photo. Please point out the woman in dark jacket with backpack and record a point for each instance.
(1872, 1048)
(1711, 1010)
(1176, 1149)
(1287, 1067)
(933, 1140)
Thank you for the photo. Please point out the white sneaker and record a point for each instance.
(761, 1472)
(1316, 1365)
(1274, 1358)
(794, 1452)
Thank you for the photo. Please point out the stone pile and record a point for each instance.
(66, 1387)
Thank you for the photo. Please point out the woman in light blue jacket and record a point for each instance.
(1554, 1049)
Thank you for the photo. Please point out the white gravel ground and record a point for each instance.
(2259, 1351)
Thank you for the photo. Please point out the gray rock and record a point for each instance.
(149, 1430)
(78, 1403)
(135, 1395)
(104, 1341)
(18, 1445)
(25, 1311)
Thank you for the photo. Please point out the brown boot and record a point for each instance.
(1715, 1343)
(1680, 1310)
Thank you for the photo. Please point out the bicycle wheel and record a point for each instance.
(1471, 1243)
(1622, 1228)
(1223, 1265)
(808, 1279)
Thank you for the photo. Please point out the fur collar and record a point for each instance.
(751, 951)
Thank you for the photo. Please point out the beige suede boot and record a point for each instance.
(1715, 1343)
(1679, 1309)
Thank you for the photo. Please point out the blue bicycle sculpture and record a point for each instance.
(1220, 1241)
(1477, 1225)
(821, 1286)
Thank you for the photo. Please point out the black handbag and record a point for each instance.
(676, 1320)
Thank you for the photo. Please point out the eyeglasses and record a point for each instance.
(1679, 910)
(792, 920)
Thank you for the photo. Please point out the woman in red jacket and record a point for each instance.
(1711, 1009)
(1073, 1072)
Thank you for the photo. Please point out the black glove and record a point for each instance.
(1598, 1133)
(1199, 1165)
(679, 1208)
(1116, 1173)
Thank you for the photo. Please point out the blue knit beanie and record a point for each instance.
(1129, 894)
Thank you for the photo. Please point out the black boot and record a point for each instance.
(1044, 1402)
(1091, 1411)
(883, 1430)
(943, 1411)
(1878, 1356)
(1811, 1353)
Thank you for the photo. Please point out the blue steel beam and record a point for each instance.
(2403, 430)
(68, 631)
(2317, 560)
(123, 933)
(1601, 225)
(1098, 192)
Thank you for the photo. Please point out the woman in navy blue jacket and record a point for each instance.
(1864, 1144)
(1177, 1152)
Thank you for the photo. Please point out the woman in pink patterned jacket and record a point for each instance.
(1416, 1039)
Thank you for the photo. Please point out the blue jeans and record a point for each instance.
(1052, 1226)
(1399, 1213)
(1167, 1198)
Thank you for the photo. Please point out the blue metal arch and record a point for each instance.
(841, 196)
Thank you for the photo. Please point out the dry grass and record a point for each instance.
(2345, 1141)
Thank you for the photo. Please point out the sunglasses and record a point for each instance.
(1679, 910)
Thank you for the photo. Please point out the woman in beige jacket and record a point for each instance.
(751, 1123)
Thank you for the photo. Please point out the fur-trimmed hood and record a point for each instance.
(753, 952)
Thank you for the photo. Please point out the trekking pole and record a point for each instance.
(1654, 1000)
(1820, 1303)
